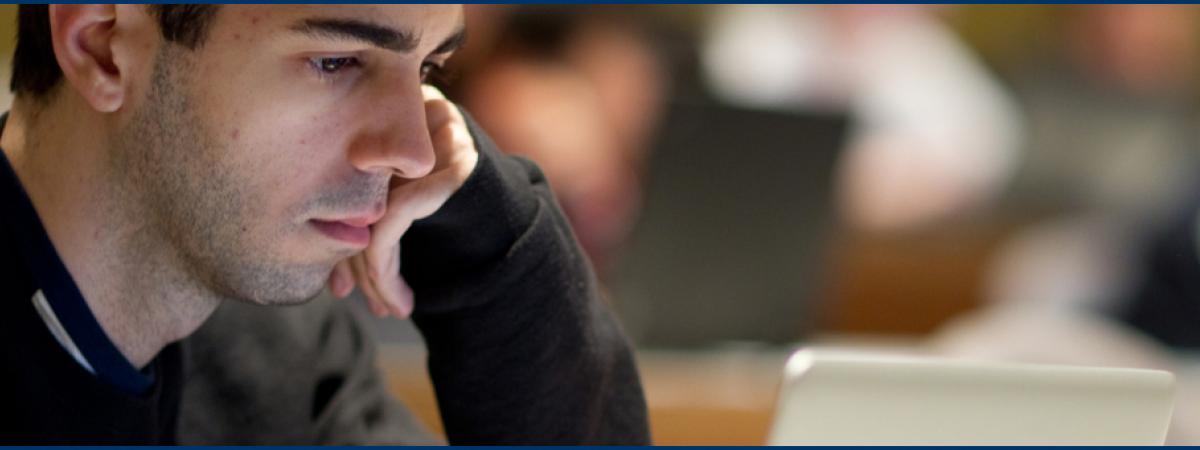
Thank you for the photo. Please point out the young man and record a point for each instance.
(176, 168)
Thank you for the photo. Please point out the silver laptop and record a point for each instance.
(844, 398)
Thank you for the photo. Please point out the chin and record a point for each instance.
(278, 287)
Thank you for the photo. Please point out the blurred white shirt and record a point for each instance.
(935, 133)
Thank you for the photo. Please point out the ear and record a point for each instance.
(83, 45)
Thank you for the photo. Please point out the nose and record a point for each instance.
(394, 136)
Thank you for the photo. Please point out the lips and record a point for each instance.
(355, 236)
(360, 221)
(354, 230)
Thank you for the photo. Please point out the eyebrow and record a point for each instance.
(378, 35)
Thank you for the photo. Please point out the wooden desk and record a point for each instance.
(695, 398)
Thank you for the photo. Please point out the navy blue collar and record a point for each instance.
(55, 282)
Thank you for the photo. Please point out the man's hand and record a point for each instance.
(377, 269)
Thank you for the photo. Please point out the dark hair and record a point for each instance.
(35, 71)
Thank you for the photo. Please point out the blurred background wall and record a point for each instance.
(1011, 182)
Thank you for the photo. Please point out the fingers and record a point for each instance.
(341, 280)
(376, 270)
(383, 255)
(432, 93)
(396, 295)
(374, 301)
(440, 114)
(408, 202)
(459, 155)
(411, 200)
(387, 294)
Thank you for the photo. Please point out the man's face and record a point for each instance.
(264, 154)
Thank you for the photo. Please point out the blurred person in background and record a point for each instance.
(580, 92)
(935, 136)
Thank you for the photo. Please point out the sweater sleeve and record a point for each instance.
(522, 347)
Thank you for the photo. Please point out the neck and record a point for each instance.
(134, 283)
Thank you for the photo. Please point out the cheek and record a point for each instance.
(288, 162)
(290, 145)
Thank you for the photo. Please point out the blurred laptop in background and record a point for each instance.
(738, 203)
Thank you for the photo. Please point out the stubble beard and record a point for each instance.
(196, 206)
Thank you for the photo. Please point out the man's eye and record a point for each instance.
(331, 66)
